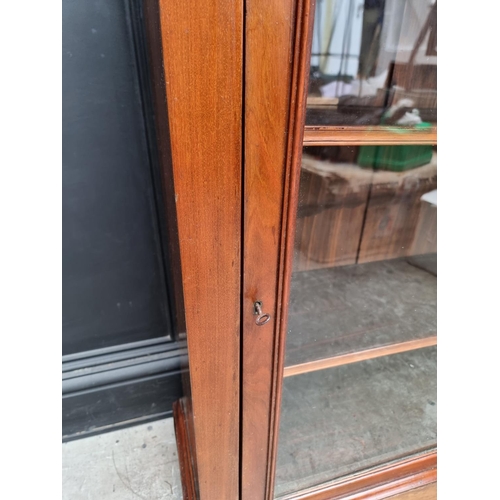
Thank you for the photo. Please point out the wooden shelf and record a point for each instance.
(338, 424)
(355, 357)
(412, 478)
(345, 314)
(367, 135)
(321, 102)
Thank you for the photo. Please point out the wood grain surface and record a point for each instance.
(269, 42)
(276, 65)
(152, 22)
(339, 135)
(185, 450)
(384, 482)
(202, 54)
(428, 492)
(355, 357)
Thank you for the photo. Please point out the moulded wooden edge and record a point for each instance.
(355, 357)
(426, 492)
(185, 450)
(304, 21)
(368, 135)
(376, 484)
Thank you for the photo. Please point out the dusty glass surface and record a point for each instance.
(365, 250)
(360, 362)
(342, 420)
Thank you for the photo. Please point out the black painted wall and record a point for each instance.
(121, 364)
(114, 287)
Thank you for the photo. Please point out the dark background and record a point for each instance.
(117, 305)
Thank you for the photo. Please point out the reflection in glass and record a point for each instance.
(345, 419)
(373, 62)
(360, 363)
(361, 204)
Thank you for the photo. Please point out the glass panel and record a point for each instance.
(373, 62)
(345, 419)
(365, 250)
(359, 387)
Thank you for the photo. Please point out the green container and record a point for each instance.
(395, 158)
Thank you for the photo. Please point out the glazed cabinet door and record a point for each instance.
(339, 248)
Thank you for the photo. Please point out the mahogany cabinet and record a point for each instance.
(304, 168)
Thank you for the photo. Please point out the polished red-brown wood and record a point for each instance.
(276, 65)
(427, 492)
(155, 54)
(185, 449)
(268, 255)
(337, 135)
(202, 53)
(377, 484)
(268, 47)
(356, 357)
(202, 44)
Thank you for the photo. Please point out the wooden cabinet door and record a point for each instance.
(309, 275)
(276, 43)
(339, 249)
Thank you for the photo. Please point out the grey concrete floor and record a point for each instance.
(339, 421)
(333, 422)
(135, 463)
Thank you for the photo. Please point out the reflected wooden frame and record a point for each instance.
(368, 135)
(377, 483)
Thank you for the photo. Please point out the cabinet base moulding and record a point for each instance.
(185, 446)
(392, 481)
